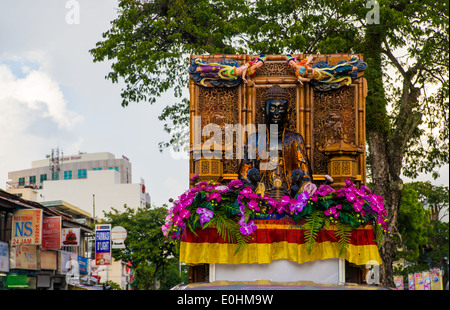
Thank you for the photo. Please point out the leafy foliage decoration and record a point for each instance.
(229, 230)
(344, 233)
(314, 222)
(379, 235)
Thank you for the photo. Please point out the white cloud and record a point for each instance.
(36, 92)
(33, 116)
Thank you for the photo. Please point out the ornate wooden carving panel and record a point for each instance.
(218, 106)
(274, 69)
(334, 112)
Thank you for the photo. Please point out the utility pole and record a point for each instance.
(93, 206)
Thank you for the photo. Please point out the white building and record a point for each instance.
(59, 167)
(94, 182)
(97, 193)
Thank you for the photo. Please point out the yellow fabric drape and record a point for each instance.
(198, 250)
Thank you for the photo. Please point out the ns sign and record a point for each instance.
(27, 227)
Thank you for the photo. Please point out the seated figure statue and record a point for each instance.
(299, 179)
(278, 151)
(253, 181)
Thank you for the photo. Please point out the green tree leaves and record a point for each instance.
(146, 247)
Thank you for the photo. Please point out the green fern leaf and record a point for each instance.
(229, 230)
(344, 232)
(314, 222)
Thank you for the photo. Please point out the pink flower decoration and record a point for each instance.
(253, 205)
(194, 177)
(213, 195)
(366, 189)
(348, 183)
(185, 214)
(332, 211)
(284, 200)
(351, 196)
(235, 184)
(310, 188)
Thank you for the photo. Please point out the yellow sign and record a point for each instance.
(27, 227)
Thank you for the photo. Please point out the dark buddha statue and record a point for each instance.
(278, 151)
(298, 179)
(253, 178)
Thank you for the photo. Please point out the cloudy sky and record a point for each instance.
(53, 95)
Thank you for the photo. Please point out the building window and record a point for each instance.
(67, 174)
(95, 169)
(21, 181)
(115, 168)
(82, 173)
(55, 175)
(33, 179)
(43, 177)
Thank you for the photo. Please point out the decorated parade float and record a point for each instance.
(277, 172)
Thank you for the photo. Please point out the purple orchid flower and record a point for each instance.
(248, 193)
(204, 215)
(297, 205)
(253, 205)
(247, 228)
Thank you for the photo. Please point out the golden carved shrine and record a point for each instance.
(331, 120)
(332, 123)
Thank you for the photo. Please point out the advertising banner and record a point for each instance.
(83, 264)
(4, 257)
(24, 257)
(426, 280)
(103, 244)
(411, 282)
(49, 260)
(27, 227)
(67, 262)
(51, 233)
(398, 282)
(71, 237)
(436, 279)
(418, 277)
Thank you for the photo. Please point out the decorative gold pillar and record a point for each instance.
(342, 162)
(209, 169)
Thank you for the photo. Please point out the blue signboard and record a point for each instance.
(102, 241)
(103, 244)
(83, 264)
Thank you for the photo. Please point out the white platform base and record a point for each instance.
(329, 271)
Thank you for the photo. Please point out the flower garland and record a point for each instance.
(204, 204)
